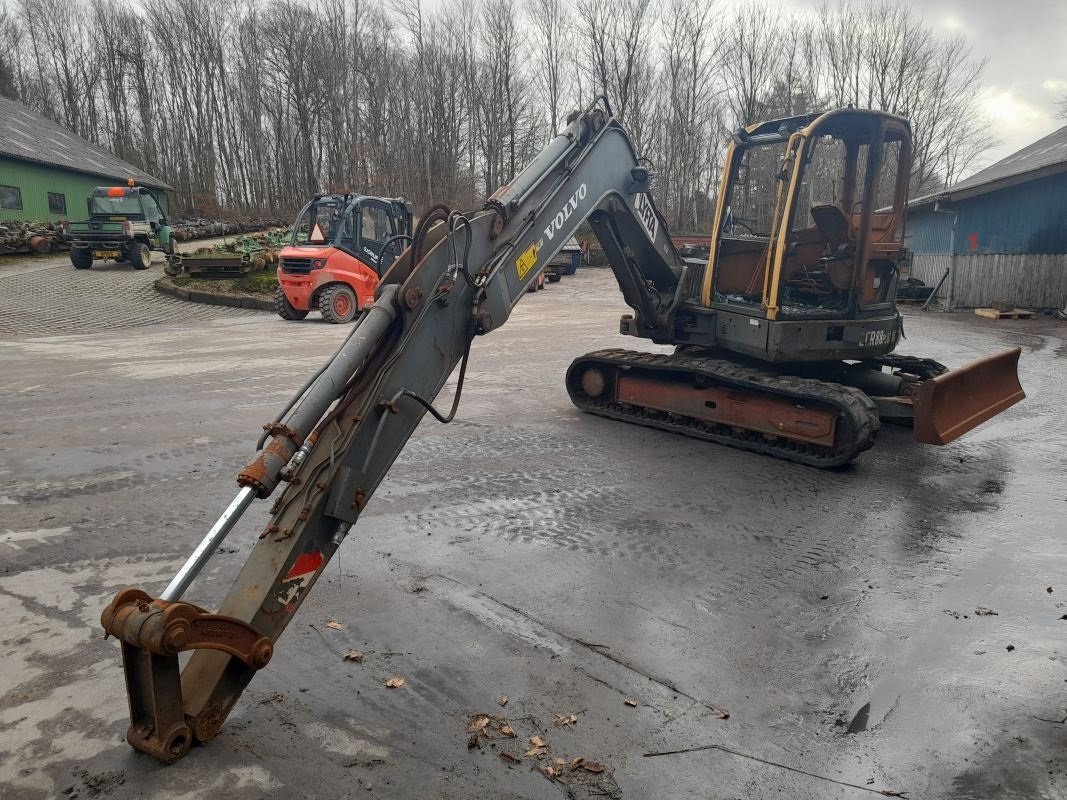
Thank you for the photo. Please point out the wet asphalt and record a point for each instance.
(894, 626)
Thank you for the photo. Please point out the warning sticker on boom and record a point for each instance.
(526, 261)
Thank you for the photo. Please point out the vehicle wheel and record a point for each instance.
(81, 259)
(338, 304)
(555, 277)
(284, 308)
(172, 246)
(139, 255)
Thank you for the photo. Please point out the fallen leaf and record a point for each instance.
(631, 703)
(354, 655)
(982, 611)
(503, 700)
(510, 758)
(565, 720)
(536, 752)
(537, 741)
(559, 762)
(489, 726)
(337, 626)
(576, 762)
(395, 683)
(472, 742)
(550, 772)
(592, 766)
(721, 713)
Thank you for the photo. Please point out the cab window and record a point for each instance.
(375, 224)
(151, 210)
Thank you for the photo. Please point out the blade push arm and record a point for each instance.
(461, 277)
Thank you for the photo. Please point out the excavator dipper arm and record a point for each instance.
(333, 445)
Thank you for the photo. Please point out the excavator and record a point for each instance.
(783, 342)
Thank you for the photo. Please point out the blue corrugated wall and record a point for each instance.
(1028, 218)
(928, 232)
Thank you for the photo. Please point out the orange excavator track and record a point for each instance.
(809, 421)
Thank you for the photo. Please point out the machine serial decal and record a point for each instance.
(647, 214)
(877, 338)
(526, 261)
(565, 213)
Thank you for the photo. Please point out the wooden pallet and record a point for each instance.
(1015, 313)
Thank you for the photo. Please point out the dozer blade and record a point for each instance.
(948, 406)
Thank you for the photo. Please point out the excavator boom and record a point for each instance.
(332, 447)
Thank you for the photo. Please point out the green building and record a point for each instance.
(48, 172)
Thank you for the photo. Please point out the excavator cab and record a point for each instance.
(806, 251)
(810, 226)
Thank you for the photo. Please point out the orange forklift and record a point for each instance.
(340, 247)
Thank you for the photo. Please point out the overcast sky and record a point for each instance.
(1026, 43)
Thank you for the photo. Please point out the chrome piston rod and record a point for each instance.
(223, 525)
(314, 399)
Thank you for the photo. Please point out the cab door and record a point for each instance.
(376, 227)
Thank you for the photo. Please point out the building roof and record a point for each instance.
(28, 136)
(1044, 157)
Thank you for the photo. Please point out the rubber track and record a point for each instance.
(856, 429)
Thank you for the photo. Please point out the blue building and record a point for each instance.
(1001, 234)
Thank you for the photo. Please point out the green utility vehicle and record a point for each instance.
(125, 224)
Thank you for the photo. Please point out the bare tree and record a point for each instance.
(552, 25)
(251, 107)
(686, 113)
(10, 34)
(616, 40)
(878, 54)
(751, 60)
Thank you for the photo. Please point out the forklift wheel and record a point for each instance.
(284, 308)
(139, 255)
(338, 304)
(554, 277)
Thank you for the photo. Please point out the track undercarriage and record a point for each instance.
(821, 415)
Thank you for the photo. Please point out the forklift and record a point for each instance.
(341, 245)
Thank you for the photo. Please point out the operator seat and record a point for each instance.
(833, 225)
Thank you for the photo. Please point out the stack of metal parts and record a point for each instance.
(234, 259)
(27, 237)
(188, 228)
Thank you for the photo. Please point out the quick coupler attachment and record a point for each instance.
(152, 633)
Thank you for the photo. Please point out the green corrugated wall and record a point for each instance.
(37, 180)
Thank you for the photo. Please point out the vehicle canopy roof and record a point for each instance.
(120, 191)
(351, 199)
